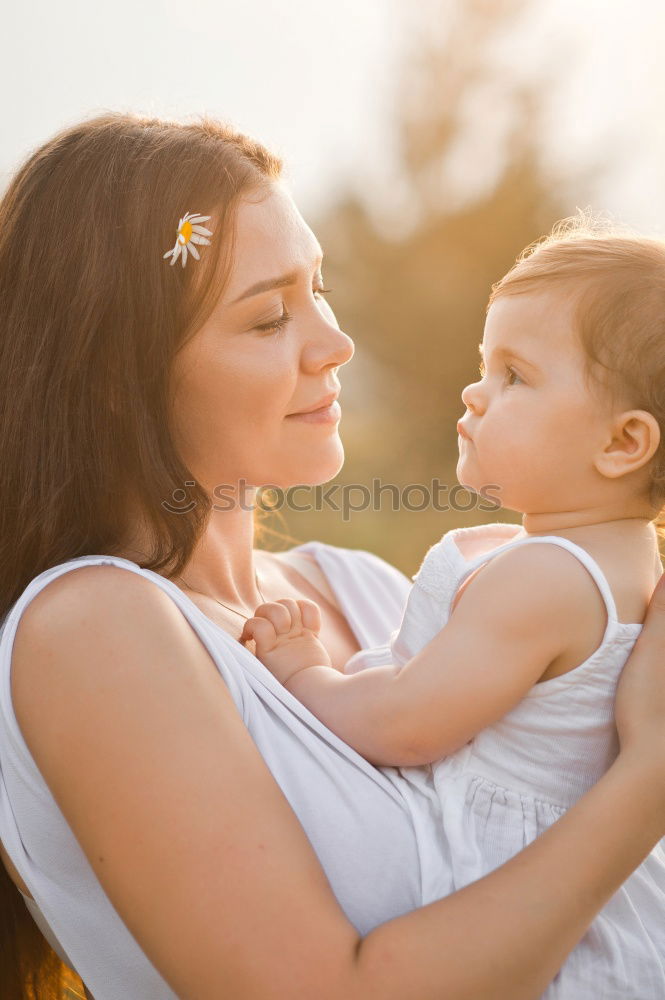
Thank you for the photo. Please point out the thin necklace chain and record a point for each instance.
(227, 606)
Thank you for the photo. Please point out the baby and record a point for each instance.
(503, 672)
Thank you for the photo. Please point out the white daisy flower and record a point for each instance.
(189, 233)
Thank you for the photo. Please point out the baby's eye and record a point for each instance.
(511, 373)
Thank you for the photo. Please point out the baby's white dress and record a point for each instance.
(518, 776)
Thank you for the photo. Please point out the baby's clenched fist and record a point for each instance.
(286, 635)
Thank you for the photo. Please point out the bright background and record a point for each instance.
(427, 142)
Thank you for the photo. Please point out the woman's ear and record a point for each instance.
(635, 436)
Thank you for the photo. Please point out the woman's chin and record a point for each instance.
(312, 470)
(329, 461)
(323, 473)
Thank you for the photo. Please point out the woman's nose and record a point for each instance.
(329, 346)
(472, 396)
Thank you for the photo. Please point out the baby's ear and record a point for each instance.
(635, 436)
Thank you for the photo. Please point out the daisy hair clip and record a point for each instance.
(190, 232)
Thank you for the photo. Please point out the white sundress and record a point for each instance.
(366, 825)
(518, 776)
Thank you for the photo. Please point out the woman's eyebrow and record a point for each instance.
(269, 283)
(266, 286)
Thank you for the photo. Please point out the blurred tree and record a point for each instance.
(475, 191)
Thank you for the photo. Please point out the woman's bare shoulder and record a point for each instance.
(91, 598)
(76, 582)
(100, 625)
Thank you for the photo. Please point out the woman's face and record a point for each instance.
(269, 351)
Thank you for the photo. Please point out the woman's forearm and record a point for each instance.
(506, 935)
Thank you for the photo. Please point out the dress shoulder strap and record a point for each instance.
(39, 582)
(212, 637)
(581, 554)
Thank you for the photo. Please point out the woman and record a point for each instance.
(183, 826)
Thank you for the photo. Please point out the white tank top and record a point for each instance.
(368, 826)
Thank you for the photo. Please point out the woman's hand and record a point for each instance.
(286, 635)
(640, 699)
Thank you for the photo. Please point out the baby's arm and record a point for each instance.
(525, 608)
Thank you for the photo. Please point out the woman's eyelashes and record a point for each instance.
(275, 325)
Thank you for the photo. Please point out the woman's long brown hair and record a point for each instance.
(91, 317)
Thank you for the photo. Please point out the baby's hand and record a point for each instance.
(286, 636)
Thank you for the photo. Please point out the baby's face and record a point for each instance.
(532, 420)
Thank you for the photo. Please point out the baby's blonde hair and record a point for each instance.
(616, 279)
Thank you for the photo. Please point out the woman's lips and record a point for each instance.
(329, 414)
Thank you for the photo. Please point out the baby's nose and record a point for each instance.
(471, 396)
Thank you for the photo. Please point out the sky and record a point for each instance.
(303, 76)
(317, 81)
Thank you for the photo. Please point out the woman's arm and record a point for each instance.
(527, 607)
(144, 751)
